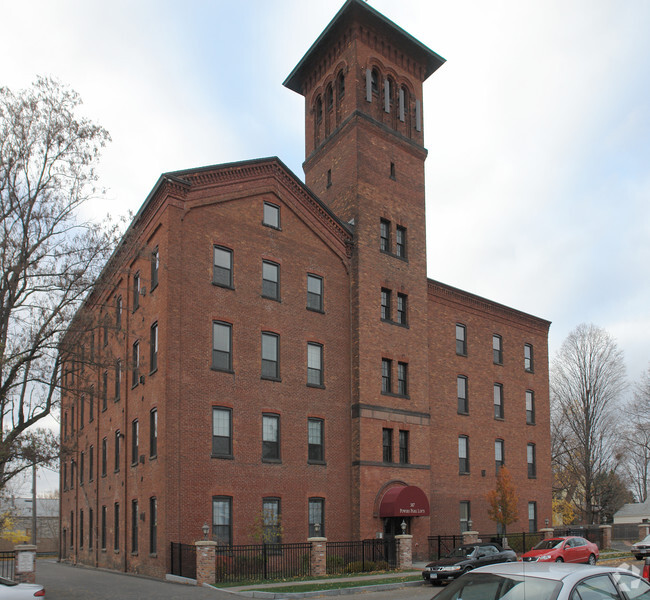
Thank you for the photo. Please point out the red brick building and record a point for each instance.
(260, 347)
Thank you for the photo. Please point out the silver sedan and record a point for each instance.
(547, 581)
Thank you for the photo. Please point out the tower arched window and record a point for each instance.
(319, 110)
(374, 81)
(329, 98)
(403, 103)
(340, 86)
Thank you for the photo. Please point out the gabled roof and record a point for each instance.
(363, 12)
(634, 509)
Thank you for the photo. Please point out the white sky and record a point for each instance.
(538, 127)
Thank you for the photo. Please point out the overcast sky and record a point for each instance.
(537, 126)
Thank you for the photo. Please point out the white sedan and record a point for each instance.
(10, 590)
(547, 581)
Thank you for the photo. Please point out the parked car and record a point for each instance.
(10, 590)
(463, 559)
(641, 549)
(544, 581)
(571, 549)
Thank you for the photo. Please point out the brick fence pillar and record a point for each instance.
(205, 561)
(470, 537)
(643, 530)
(25, 565)
(607, 536)
(548, 532)
(318, 555)
(404, 551)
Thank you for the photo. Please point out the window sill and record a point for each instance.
(463, 354)
(316, 310)
(317, 462)
(533, 423)
(499, 418)
(222, 285)
(274, 298)
(463, 473)
(279, 379)
(223, 456)
(231, 371)
(153, 456)
(272, 461)
(152, 372)
(464, 413)
(393, 395)
(319, 386)
(271, 226)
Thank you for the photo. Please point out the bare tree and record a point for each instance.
(635, 441)
(49, 256)
(587, 378)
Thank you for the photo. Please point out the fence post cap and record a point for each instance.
(317, 539)
(403, 536)
(205, 543)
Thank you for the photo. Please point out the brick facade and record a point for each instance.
(364, 171)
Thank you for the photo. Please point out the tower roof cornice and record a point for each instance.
(359, 12)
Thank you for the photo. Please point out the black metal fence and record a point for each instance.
(519, 542)
(183, 560)
(441, 545)
(591, 532)
(628, 532)
(7, 565)
(262, 561)
(364, 555)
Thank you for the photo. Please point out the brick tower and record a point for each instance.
(362, 82)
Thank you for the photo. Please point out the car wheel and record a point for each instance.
(592, 559)
(467, 569)
(559, 559)
(638, 556)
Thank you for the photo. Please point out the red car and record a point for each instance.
(564, 549)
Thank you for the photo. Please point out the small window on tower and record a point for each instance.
(329, 97)
(392, 170)
(319, 110)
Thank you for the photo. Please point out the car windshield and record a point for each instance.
(548, 544)
(481, 586)
(461, 552)
(645, 540)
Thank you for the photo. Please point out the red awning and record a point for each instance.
(404, 501)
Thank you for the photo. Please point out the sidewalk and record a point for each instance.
(265, 590)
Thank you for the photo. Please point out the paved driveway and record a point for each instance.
(65, 582)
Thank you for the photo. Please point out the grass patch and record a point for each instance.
(333, 585)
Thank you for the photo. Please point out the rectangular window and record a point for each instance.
(497, 352)
(386, 376)
(153, 525)
(153, 432)
(270, 280)
(384, 235)
(72, 413)
(155, 266)
(91, 463)
(387, 442)
(82, 411)
(400, 241)
(118, 379)
(498, 401)
(65, 476)
(270, 363)
(221, 346)
(135, 441)
(402, 378)
(82, 467)
(81, 529)
(103, 528)
(314, 292)
(528, 358)
(222, 520)
(316, 517)
(134, 526)
(465, 515)
(271, 216)
(116, 521)
(461, 340)
(91, 404)
(136, 291)
(385, 304)
(270, 437)
(222, 267)
(530, 455)
(272, 520)
(530, 407)
(104, 389)
(401, 309)
(117, 450)
(91, 524)
(118, 313)
(153, 348)
(315, 442)
(314, 364)
(463, 403)
(104, 456)
(135, 369)
(105, 330)
(532, 517)
(403, 447)
(499, 454)
(221, 431)
(463, 454)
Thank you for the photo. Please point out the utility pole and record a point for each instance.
(34, 503)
